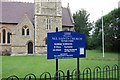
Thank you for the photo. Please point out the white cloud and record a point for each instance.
(94, 7)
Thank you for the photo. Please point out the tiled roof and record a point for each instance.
(67, 17)
(12, 12)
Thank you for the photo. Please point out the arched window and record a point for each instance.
(48, 24)
(8, 37)
(56, 29)
(4, 35)
(25, 31)
(46, 40)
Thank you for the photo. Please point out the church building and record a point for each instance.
(24, 26)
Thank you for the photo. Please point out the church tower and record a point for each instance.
(48, 18)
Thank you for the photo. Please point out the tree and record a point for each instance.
(111, 31)
(82, 23)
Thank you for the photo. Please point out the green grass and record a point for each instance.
(22, 65)
(0, 67)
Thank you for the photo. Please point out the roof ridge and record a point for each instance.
(70, 15)
(15, 1)
(64, 7)
(18, 10)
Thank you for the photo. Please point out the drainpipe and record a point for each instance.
(34, 33)
(34, 39)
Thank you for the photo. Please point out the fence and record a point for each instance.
(105, 73)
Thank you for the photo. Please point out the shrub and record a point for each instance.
(6, 53)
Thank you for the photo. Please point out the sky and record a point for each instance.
(93, 7)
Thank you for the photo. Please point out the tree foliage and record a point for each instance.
(82, 23)
(111, 31)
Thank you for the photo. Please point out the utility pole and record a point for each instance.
(102, 36)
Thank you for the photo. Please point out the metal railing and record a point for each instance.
(105, 73)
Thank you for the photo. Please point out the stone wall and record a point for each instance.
(48, 17)
(19, 49)
(41, 29)
(8, 28)
(20, 41)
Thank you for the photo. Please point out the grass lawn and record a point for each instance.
(0, 67)
(22, 65)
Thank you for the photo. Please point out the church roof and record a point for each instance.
(67, 18)
(12, 12)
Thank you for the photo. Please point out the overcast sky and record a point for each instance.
(94, 7)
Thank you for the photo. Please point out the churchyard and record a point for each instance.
(23, 65)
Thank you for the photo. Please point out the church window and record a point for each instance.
(4, 35)
(25, 27)
(48, 24)
(25, 31)
(56, 29)
(46, 40)
(8, 37)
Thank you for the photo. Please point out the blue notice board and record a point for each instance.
(66, 44)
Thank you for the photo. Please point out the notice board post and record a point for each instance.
(57, 62)
(78, 70)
